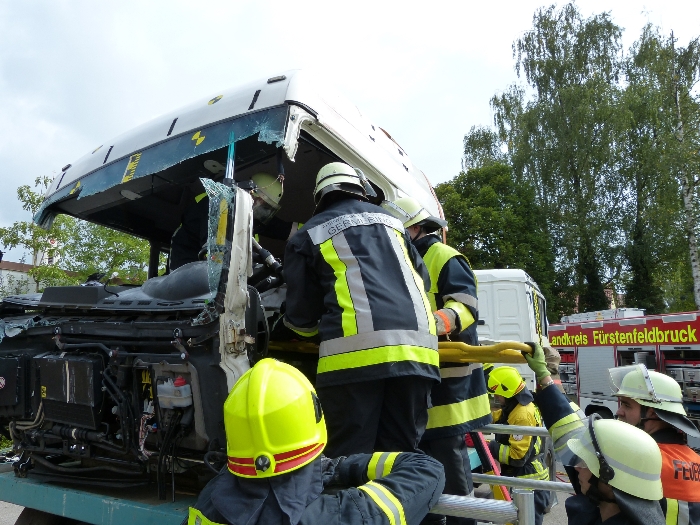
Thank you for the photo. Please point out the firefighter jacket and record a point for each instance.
(519, 455)
(385, 489)
(354, 278)
(564, 423)
(460, 402)
(680, 477)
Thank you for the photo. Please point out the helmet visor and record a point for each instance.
(639, 387)
(262, 210)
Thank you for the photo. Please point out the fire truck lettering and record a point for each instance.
(684, 336)
(641, 336)
(691, 335)
(585, 339)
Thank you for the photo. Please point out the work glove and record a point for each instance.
(330, 470)
(537, 361)
(445, 321)
(494, 448)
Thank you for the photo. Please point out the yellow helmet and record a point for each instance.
(505, 381)
(274, 422)
(409, 211)
(338, 176)
(612, 450)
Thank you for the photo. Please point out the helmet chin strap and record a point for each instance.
(595, 495)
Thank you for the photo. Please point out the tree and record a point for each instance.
(72, 249)
(563, 142)
(493, 220)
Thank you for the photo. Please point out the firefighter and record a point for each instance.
(460, 403)
(520, 456)
(188, 242)
(355, 280)
(615, 468)
(654, 402)
(275, 434)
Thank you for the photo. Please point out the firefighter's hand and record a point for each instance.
(537, 361)
(494, 448)
(445, 321)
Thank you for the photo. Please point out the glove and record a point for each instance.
(553, 359)
(537, 361)
(330, 470)
(494, 448)
(445, 321)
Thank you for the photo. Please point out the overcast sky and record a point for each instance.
(75, 73)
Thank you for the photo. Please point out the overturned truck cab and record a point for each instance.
(124, 385)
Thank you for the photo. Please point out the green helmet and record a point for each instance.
(612, 450)
(655, 390)
(338, 176)
(409, 211)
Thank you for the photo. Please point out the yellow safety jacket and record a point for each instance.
(460, 402)
(520, 455)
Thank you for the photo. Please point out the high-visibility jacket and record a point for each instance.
(354, 278)
(386, 489)
(519, 455)
(680, 477)
(460, 402)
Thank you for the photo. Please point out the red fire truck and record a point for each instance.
(589, 344)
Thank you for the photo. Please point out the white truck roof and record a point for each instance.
(353, 137)
(506, 274)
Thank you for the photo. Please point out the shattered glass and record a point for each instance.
(270, 124)
(218, 245)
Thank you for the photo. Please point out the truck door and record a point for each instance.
(594, 384)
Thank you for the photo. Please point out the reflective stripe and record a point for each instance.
(195, 517)
(342, 345)
(565, 429)
(466, 318)
(381, 464)
(199, 197)
(585, 441)
(377, 356)
(386, 501)
(683, 513)
(342, 292)
(671, 511)
(459, 371)
(458, 413)
(321, 233)
(463, 298)
(414, 283)
(356, 286)
(504, 454)
(305, 332)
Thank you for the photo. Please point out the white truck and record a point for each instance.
(511, 308)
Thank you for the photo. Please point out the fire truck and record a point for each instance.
(591, 343)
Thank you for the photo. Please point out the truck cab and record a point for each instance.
(511, 308)
(121, 385)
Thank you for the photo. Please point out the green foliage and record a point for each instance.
(495, 222)
(72, 249)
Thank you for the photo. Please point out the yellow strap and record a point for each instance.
(381, 464)
(458, 413)
(342, 290)
(197, 518)
(386, 501)
(671, 511)
(223, 220)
